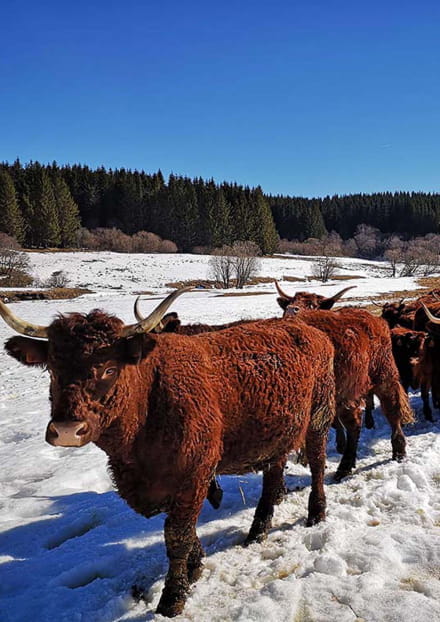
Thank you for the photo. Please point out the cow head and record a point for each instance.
(408, 347)
(392, 311)
(292, 305)
(85, 354)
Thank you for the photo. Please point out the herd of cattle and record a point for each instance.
(174, 405)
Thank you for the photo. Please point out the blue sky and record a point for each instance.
(301, 97)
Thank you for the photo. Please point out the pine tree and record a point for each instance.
(45, 225)
(266, 235)
(11, 220)
(68, 213)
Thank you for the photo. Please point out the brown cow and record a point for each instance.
(412, 351)
(426, 317)
(171, 410)
(363, 363)
(398, 313)
(404, 314)
(307, 300)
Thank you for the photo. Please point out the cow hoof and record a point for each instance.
(138, 593)
(399, 457)
(171, 606)
(315, 519)
(339, 475)
(254, 537)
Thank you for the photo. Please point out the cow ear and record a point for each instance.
(171, 326)
(137, 348)
(283, 302)
(27, 351)
(327, 303)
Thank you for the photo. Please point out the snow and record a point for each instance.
(71, 549)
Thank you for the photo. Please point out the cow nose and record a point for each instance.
(67, 434)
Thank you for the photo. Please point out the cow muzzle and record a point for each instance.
(68, 434)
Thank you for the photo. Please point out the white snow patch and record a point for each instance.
(71, 549)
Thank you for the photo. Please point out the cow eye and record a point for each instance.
(110, 371)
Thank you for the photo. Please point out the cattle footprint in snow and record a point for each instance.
(71, 531)
(85, 574)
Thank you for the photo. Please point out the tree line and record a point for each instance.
(405, 213)
(46, 205)
(50, 206)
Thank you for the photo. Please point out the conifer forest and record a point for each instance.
(44, 206)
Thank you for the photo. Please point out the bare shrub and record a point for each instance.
(145, 242)
(57, 279)
(368, 241)
(288, 246)
(201, 250)
(393, 253)
(349, 248)
(325, 268)
(86, 239)
(13, 268)
(245, 261)
(113, 240)
(331, 244)
(7, 241)
(235, 264)
(221, 266)
(167, 246)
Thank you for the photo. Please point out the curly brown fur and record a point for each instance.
(175, 409)
(363, 363)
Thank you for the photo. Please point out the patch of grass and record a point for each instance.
(230, 294)
(429, 282)
(55, 293)
(293, 279)
(347, 277)
(200, 283)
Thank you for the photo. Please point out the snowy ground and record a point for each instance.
(70, 548)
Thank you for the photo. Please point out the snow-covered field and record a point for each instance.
(70, 548)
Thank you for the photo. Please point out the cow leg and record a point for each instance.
(369, 407)
(184, 553)
(352, 419)
(316, 453)
(424, 392)
(272, 494)
(340, 436)
(396, 408)
(195, 565)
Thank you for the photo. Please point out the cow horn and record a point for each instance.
(20, 326)
(432, 318)
(341, 293)
(151, 321)
(138, 315)
(280, 291)
(376, 303)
